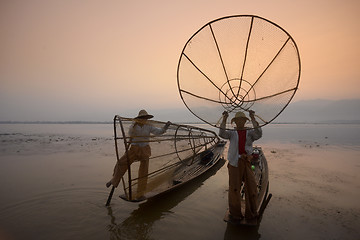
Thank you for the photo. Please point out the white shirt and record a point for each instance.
(232, 135)
(141, 134)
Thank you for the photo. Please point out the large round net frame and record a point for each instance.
(238, 63)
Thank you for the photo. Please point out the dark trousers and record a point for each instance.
(237, 175)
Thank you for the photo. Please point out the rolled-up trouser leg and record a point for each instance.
(122, 165)
(234, 196)
(144, 154)
(143, 177)
(250, 192)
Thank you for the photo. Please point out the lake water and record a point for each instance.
(52, 186)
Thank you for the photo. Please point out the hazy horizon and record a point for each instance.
(305, 111)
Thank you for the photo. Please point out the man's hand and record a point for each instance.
(252, 114)
(225, 115)
(167, 125)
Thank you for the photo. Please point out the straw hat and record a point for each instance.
(144, 115)
(239, 115)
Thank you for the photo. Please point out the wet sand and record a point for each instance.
(315, 192)
(56, 190)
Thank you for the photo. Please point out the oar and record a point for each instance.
(265, 203)
(110, 196)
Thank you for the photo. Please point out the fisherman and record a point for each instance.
(140, 150)
(239, 166)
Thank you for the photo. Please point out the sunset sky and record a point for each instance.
(89, 60)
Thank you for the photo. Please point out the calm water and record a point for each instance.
(52, 186)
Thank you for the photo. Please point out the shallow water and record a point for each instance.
(52, 186)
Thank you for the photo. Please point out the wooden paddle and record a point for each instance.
(110, 196)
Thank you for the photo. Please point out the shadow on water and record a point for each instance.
(243, 232)
(139, 224)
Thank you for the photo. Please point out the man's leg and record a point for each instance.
(234, 195)
(143, 177)
(121, 167)
(250, 192)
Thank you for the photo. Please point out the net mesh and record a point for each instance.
(177, 147)
(238, 63)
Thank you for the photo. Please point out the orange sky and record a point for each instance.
(89, 60)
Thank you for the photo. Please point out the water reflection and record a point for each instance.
(140, 222)
(243, 232)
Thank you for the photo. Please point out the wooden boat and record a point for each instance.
(184, 173)
(261, 171)
(180, 155)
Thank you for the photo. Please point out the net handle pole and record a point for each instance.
(118, 159)
(127, 144)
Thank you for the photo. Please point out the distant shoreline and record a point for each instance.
(111, 122)
(56, 122)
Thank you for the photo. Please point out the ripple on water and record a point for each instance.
(66, 213)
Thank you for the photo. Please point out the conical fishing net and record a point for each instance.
(238, 63)
(180, 146)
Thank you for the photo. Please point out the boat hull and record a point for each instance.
(190, 170)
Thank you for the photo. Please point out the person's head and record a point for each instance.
(142, 117)
(239, 119)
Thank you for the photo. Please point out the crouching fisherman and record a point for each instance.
(239, 166)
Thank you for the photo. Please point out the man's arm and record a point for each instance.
(159, 131)
(257, 133)
(222, 132)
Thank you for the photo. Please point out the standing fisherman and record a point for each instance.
(140, 150)
(239, 166)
